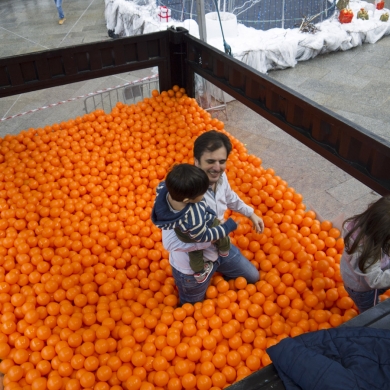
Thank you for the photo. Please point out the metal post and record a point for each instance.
(201, 20)
(203, 89)
(283, 5)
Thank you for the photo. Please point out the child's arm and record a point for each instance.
(376, 278)
(195, 225)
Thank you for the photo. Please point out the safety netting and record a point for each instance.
(259, 14)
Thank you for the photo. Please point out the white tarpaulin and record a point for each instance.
(263, 50)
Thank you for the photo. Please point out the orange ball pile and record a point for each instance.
(87, 297)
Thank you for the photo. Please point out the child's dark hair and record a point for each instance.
(186, 181)
(211, 141)
(372, 231)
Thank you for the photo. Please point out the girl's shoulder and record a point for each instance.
(385, 261)
(348, 228)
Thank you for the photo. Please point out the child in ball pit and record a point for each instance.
(180, 205)
(365, 264)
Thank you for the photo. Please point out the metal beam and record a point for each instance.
(201, 20)
(50, 68)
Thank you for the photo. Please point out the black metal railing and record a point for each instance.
(50, 68)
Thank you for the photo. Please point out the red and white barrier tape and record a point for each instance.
(80, 97)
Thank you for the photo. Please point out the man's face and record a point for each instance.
(213, 163)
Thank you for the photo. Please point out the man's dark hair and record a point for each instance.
(186, 181)
(211, 141)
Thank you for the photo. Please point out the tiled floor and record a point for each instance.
(32, 25)
(326, 189)
(354, 84)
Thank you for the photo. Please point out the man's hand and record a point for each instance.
(258, 223)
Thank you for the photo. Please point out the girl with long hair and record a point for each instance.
(365, 264)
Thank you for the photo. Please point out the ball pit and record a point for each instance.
(87, 296)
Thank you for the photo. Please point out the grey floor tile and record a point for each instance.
(335, 61)
(341, 77)
(349, 191)
(350, 105)
(314, 72)
(374, 72)
(361, 204)
(316, 96)
(330, 88)
(379, 59)
(291, 82)
(376, 126)
(326, 207)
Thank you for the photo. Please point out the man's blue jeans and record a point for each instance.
(58, 4)
(231, 267)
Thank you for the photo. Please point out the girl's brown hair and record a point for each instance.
(370, 233)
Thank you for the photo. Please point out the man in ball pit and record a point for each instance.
(211, 151)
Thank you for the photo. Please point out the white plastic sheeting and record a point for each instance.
(128, 18)
(263, 50)
(280, 49)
